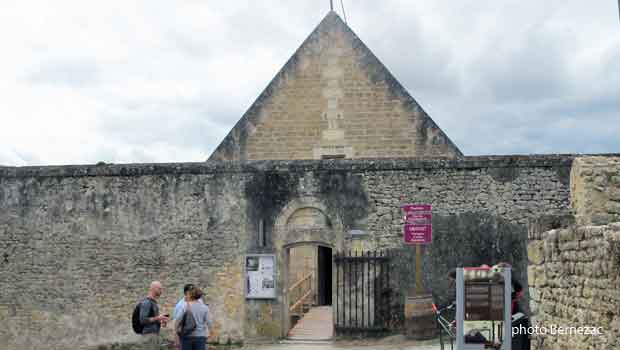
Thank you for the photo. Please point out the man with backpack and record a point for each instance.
(147, 320)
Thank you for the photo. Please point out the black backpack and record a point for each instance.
(187, 324)
(135, 317)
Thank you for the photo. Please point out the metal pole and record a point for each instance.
(337, 287)
(350, 294)
(363, 264)
(344, 14)
(356, 289)
(507, 343)
(380, 291)
(374, 290)
(460, 312)
(331, 5)
(368, 280)
(389, 289)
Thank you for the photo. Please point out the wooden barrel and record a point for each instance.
(419, 318)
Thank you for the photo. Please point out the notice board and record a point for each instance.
(260, 276)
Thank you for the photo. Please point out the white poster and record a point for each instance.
(260, 276)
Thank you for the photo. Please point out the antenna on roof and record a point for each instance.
(331, 5)
(345, 15)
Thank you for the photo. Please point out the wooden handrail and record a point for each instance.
(296, 284)
(300, 300)
(299, 284)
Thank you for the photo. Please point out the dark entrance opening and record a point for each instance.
(324, 264)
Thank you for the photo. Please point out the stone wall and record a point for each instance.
(78, 251)
(79, 244)
(595, 190)
(574, 281)
(480, 214)
(573, 273)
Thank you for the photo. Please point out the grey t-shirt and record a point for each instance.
(202, 315)
(149, 308)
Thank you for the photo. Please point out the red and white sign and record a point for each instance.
(418, 228)
(417, 207)
(418, 234)
(418, 218)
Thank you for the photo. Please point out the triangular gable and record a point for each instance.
(334, 99)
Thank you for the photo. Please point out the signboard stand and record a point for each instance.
(418, 231)
(471, 304)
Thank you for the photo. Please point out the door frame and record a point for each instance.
(286, 319)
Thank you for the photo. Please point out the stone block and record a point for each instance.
(614, 193)
(531, 276)
(565, 235)
(550, 250)
(613, 207)
(536, 252)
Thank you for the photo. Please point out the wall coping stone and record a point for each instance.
(352, 165)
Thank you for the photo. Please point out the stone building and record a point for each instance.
(324, 158)
(334, 99)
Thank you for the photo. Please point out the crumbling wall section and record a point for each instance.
(574, 282)
(573, 271)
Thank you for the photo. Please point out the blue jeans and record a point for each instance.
(193, 343)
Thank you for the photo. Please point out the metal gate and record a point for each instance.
(366, 299)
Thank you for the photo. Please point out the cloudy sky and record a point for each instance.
(164, 81)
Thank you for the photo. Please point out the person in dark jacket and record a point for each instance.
(150, 317)
(517, 290)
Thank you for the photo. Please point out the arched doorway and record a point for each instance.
(306, 238)
(309, 291)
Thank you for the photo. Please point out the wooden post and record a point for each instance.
(419, 288)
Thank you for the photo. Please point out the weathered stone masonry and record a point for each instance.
(334, 98)
(78, 250)
(574, 282)
(574, 271)
(74, 239)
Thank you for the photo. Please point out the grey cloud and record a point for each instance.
(12, 156)
(498, 77)
(190, 44)
(586, 108)
(564, 126)
(72, 72)
(184, 124)
(224, 114)
(417, 61)
(530, 70)
(500, 99)
(103, 153)
(246, 30)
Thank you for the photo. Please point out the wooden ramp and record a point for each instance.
(317, 324)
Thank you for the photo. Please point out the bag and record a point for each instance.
(138, 327)
(187, 324)
(475, 337)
